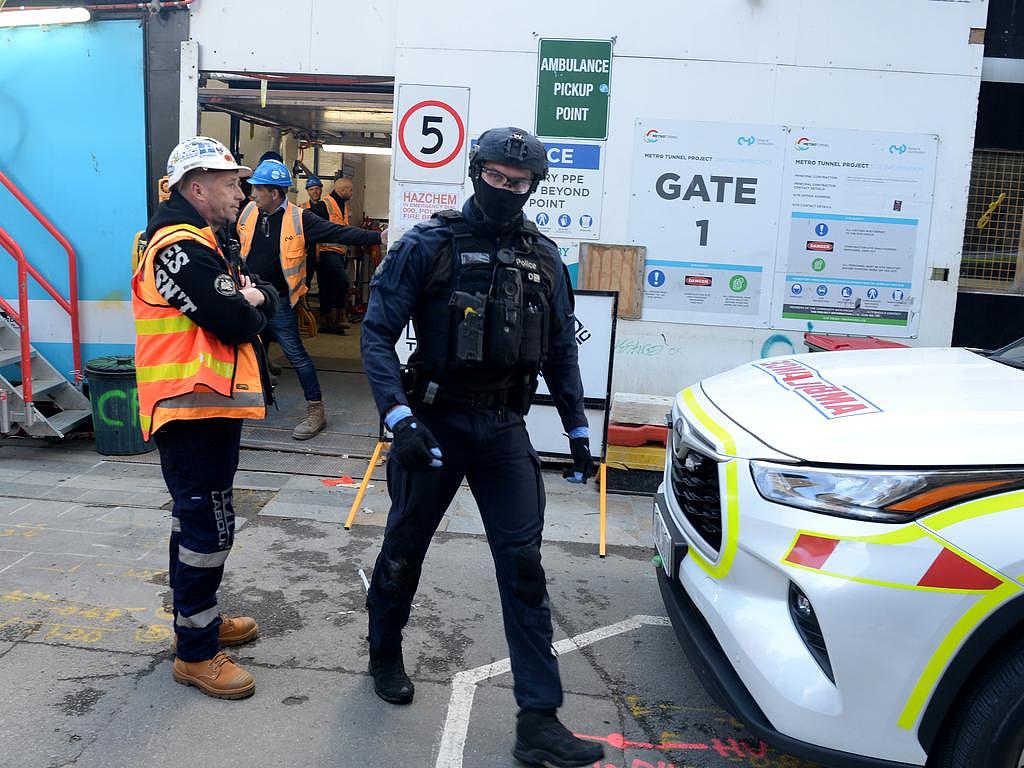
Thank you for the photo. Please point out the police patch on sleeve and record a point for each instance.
(224, 285)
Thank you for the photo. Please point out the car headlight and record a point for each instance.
(880, 496)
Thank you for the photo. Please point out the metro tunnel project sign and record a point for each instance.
(573, 79)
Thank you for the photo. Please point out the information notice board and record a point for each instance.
(856, 213)
(779, 226)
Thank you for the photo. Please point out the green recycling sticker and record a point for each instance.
(738, 283)
(818, 265)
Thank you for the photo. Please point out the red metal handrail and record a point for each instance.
(21, 316)
(69, 305)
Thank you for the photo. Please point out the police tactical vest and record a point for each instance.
(484, 321)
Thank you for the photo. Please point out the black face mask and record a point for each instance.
(500, 207)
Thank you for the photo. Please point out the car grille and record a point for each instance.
(695, 487)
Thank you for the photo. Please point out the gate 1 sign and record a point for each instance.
(430, 134)
(705, 202)
(573, 78)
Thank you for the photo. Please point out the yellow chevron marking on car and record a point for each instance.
(728, 444)
(906, 535)
(888, 584)
(950, 643)
(732, 520)
(977, 508)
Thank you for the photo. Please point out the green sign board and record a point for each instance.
(573, 78)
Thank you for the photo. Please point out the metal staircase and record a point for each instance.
(56, 406)
(34, 396)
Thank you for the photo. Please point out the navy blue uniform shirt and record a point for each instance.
(396, 291)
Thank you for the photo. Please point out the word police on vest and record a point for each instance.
(668, 188)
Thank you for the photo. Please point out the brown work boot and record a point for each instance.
(314, 422)
(236, 630)
(219, 677)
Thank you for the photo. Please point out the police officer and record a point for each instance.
(274, 234)
(492, 307)
(197, 314)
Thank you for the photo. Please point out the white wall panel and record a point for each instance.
(310, 37)
(866, 64)
(911, 35)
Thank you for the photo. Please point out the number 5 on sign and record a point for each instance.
(430, 134)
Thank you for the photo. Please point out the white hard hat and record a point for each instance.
(201, 152)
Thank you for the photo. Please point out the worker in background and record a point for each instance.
(341, 194)
(200, 371)
(492, 307)
(274, 234)
(331, 267)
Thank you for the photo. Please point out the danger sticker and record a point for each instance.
(830, 400)
(697, 280)
(820, 245)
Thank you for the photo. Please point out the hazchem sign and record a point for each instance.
(431, 134)
(573, 81)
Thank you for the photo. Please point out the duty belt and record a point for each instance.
(434, 394)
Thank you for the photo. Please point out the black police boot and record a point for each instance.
(389, 679)
(542, 740)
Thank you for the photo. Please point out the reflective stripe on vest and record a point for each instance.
(184, 372)
(292, 248)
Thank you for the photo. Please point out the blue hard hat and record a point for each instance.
(272, 173)
(313, 181)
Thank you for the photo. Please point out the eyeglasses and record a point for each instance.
(499, 180)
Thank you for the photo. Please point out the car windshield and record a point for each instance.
(1011, 354)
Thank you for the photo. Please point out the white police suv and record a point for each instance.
(841, 548)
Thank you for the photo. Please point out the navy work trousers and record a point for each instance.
(283, 328)
(492, 450)
(199, 459)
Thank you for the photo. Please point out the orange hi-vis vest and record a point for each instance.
(337, 216)
(334, 212)
(292, 247)
(183, 371)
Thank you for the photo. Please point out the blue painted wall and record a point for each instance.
(72, 137)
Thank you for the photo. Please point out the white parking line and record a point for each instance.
(460, 705)
(23, 557)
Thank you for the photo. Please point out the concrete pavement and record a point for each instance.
(84, 630)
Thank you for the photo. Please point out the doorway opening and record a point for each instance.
(331, 127)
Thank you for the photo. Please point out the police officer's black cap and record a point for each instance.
(510, 146)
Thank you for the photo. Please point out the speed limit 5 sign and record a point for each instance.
(430, 134)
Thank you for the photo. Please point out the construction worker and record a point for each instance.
(331, 267)
(197, 316)
(274, 234)
(492, 307)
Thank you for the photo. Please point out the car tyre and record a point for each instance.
(987, 729)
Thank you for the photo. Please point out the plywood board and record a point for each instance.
(619, 268)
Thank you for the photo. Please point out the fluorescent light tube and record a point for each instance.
(356, 150)
(43, 16)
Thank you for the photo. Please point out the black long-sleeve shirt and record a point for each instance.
(265, 253)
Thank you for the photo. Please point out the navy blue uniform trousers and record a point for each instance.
(199, 459)
(491, 449)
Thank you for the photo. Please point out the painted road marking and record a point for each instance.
(460, 705)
